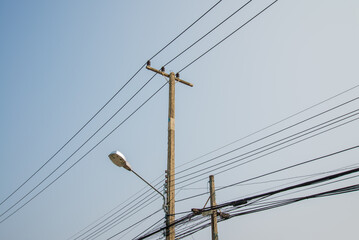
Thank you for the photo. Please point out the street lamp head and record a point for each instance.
(119, 159)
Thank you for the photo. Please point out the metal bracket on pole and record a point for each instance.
(164, 206)
(167, 75)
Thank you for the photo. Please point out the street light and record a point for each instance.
(119, 160)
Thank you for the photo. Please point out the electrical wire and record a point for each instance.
(275, 143)
(133, 225)
(123, 216)
(273, 204)
(215, 5)
(112, 212)
(313, 187)
(210, 49)
(117, 221)
(128, 81)
(68, 141)
(149, 228)
(235, 159)
(305, 184)
(270, 135)
(84, 154)
(205, 35)
(88, 139)
(145, 197)
(276, 171)
(296, 181)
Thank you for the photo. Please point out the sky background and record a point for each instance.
(61, 61)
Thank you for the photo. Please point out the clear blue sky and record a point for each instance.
(61, 61)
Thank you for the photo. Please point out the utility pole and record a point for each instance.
(214, 212)
(170, 218)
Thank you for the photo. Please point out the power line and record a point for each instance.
(84, 154)
(146, 230)
(309, 183)
(271, 125)
(267, 147)
(198, 40)
(321, 185)
(128, 81)
(292, 166)
(68, 141)
(295, 177)
(262, 149)
(269, 135)
(133, 205)
(124, 212)
(104, 218)
(185, 30)
(272, 205)
(88, 139)
(296, 181)
(227, 36)
(133, 225)
(111, 225)
(268, 205)
(251, 161)
(276, 171)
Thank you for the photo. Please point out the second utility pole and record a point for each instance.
(170, 218)
(214, 212)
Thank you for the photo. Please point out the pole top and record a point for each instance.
(162, 72)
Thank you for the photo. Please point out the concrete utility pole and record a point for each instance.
(170, 218)
(214, 212)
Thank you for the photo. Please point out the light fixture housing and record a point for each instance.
(119, 159)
